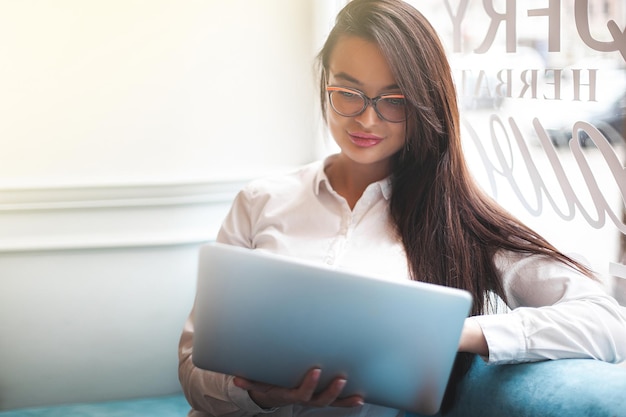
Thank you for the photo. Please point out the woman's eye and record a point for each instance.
(348, 94)
(395, 101)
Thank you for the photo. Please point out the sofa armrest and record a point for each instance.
(557, 388)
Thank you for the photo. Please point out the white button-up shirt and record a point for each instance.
(557, 312)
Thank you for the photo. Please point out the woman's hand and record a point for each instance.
(270, 396)
(472, 338)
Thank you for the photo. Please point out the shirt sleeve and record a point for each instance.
(210, 393)
(557, 313)
(236, 228)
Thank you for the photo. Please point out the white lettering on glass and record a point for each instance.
(550, 84)
(552, 11)
(581, 15)
(525, 83)
(503, 165)
(457, 19)
(508, 18)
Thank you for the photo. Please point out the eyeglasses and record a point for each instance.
(349, 103)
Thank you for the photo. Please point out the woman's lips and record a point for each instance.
(364, 140)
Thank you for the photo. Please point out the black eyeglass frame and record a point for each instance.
(367, 101)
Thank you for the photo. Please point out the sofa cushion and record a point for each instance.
(167, 406)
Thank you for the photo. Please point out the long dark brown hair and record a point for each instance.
(450, 228)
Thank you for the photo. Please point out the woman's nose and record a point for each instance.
(369, 116)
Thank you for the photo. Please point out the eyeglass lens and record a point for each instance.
(352, 103)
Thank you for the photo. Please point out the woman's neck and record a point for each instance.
(350, 179)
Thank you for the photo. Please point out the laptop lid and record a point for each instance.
(271, 318)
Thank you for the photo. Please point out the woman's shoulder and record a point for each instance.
(287, 183)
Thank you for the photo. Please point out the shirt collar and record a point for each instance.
(385, 187)
(322, 178)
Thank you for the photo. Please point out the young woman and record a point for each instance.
(398, 200)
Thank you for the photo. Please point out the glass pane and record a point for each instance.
(532, 75)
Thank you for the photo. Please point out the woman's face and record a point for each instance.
(365, 139)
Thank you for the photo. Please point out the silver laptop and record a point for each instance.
(271, 318)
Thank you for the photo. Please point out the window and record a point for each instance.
(542, 93)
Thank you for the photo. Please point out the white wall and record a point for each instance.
(126, 127)
(95, 285)
(119, 90)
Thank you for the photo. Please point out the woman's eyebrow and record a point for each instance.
(347, 77)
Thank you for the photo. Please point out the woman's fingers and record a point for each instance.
(269, 396)
(250, 385)
(329, 395)
(304, 393)
(352, 401)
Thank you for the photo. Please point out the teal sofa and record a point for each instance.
(563, 388)
(164, 406)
